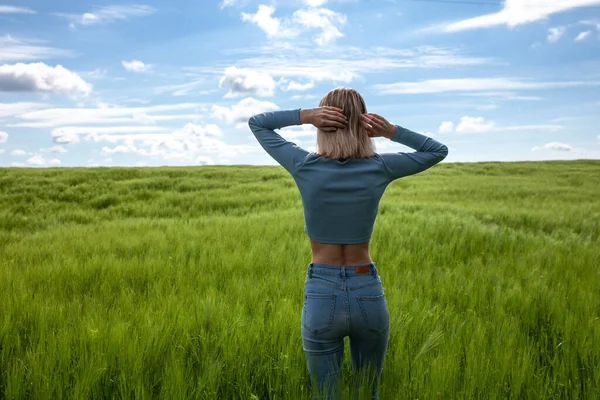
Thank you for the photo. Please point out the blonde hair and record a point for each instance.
(351, 141)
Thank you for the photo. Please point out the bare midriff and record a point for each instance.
(340, 254)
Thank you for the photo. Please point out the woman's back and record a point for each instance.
(341, 198)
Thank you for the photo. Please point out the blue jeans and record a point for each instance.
(342, 301)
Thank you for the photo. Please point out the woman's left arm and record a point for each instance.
(288, 154)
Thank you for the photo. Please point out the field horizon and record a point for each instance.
(186, 282)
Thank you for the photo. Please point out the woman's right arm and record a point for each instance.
(428, 153)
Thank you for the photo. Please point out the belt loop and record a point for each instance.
(373, 270)
(310, 267)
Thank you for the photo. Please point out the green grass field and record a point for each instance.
(187, 283)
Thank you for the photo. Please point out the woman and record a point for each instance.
(341, 186)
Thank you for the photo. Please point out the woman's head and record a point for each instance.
(351, 141)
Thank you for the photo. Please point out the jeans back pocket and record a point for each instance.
(318, 312)
(374, 312)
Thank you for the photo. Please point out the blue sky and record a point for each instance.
(174, 83)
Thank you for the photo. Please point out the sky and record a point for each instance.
(116, 83)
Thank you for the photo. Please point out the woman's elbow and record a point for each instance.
(442, 153)
(253, 123)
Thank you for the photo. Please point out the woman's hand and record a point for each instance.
(327, 119)
(377, 126)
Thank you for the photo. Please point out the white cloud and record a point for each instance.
(40, 161)
(127, 137)
(287, 86)
(240, 113)
(321, 19)
(13, 49)
(300, 87)
(54, 149)
(3, 137)
(341, 63)
(70, 134)
(556, 146)
(136, 66)
(98, 73)
(264, 20)
(474, 125)
(502, 95)
(556, 33)
(18, 153)
(231, 3)
(385, 144)
(203, 160)
(592, 22)
(207, 130)
(39, 77)
(227, 3)
(54, 117)
(2, 151)
(543, 127)
(472, 84)
(304, 97)
(446, 127)
(480, 125)
(296, 132)
(184, 89)
(129, 148)
(65, 138)
(15, 10)
(190, 130)
(88, 130)
(183, 144)
(583, 36)
(517, 12)
(243, 81)
(315, 3)
(107, 14)
(14, 109)
(234, 151)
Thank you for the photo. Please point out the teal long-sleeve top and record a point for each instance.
(341, 198)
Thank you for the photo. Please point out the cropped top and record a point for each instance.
(341, 198)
